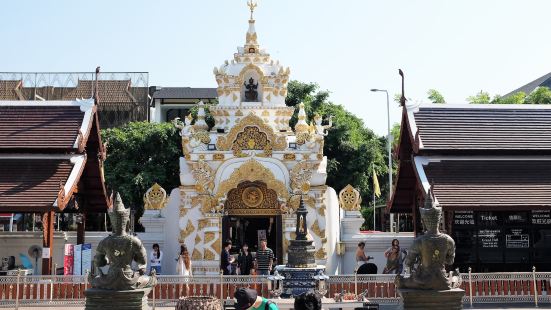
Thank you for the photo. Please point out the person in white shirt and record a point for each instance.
(183, 268)
(155, 259)
(184, 262)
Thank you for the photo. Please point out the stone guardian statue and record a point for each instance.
(430, 253)
(121, 287)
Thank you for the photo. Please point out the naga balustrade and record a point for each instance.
(526, 287)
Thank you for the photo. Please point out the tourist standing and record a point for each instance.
(226, 259)
(244, 261)
(248, 299)
(308, 301)
(183, 267)
(393, 258)
(155, 259)
(264, 258)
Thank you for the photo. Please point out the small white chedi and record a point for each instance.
(250, 169)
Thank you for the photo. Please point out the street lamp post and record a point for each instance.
(388, 143)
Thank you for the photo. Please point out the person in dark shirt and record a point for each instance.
(226, 259)
(308, 301)
(245, 260)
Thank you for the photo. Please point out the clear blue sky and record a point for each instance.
(347, 47)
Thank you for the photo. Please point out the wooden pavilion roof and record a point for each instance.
(476, 156)
(50, 154)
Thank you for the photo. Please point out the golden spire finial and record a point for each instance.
(252, 5)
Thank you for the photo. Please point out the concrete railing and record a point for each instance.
(532, 287)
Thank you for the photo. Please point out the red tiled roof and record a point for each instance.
(39, 126)
(31, 184)
(490, 183)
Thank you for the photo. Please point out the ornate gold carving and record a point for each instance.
(289, 156)
(321, 210)
(206, 202)
(186, 231)
(155, 198)
(252, 170)
(301, 174)
(209, 255)
(317, 230)
(265, 113)
(251, 67)
(183, 211)
(202, 136)
(277, 142)
(350, 199)
(196, 255)
(252, 198)
(202, 223)
(218, 156)
(209, 236)
(321, 253)
(217, 246)
(238, 113)
(294, 201)
(203, 175)
(320, 155)
(251, 138)
(197, 239)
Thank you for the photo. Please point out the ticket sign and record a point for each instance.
(541, 217)
(489, 238)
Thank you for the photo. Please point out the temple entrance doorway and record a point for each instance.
(244, 229)
(252, 213)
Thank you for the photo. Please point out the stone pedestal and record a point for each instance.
(98, 299)
(298, 280)
(429, 299)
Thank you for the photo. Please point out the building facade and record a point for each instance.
(490, 169)
(242, 179)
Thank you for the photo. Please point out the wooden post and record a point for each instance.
(81, 227)
(47, 241)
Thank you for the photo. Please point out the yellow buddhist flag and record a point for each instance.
(376, 188)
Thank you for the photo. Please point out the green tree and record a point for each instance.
(395, 131)
(541, 95)
(138, 155)
(480, 98)
(351, 147)
(435, 96)
(517, 98)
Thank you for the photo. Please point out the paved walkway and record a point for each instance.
(475, 307)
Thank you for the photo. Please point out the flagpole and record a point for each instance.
(374, 210)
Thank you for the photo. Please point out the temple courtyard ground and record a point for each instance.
(382, 307)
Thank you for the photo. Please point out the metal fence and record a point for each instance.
(520, 287)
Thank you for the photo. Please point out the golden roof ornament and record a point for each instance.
(155, 198)
(302, 125)
(200, 123)
(350, 199)
(252, 5)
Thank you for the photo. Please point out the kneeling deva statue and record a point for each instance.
(118, 251)
(430, 253)
(121, 287)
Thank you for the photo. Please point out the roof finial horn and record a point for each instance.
(252, 5)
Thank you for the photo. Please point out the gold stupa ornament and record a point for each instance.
(155, 198)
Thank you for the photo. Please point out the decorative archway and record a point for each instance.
(252, 170)
(252, 198)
